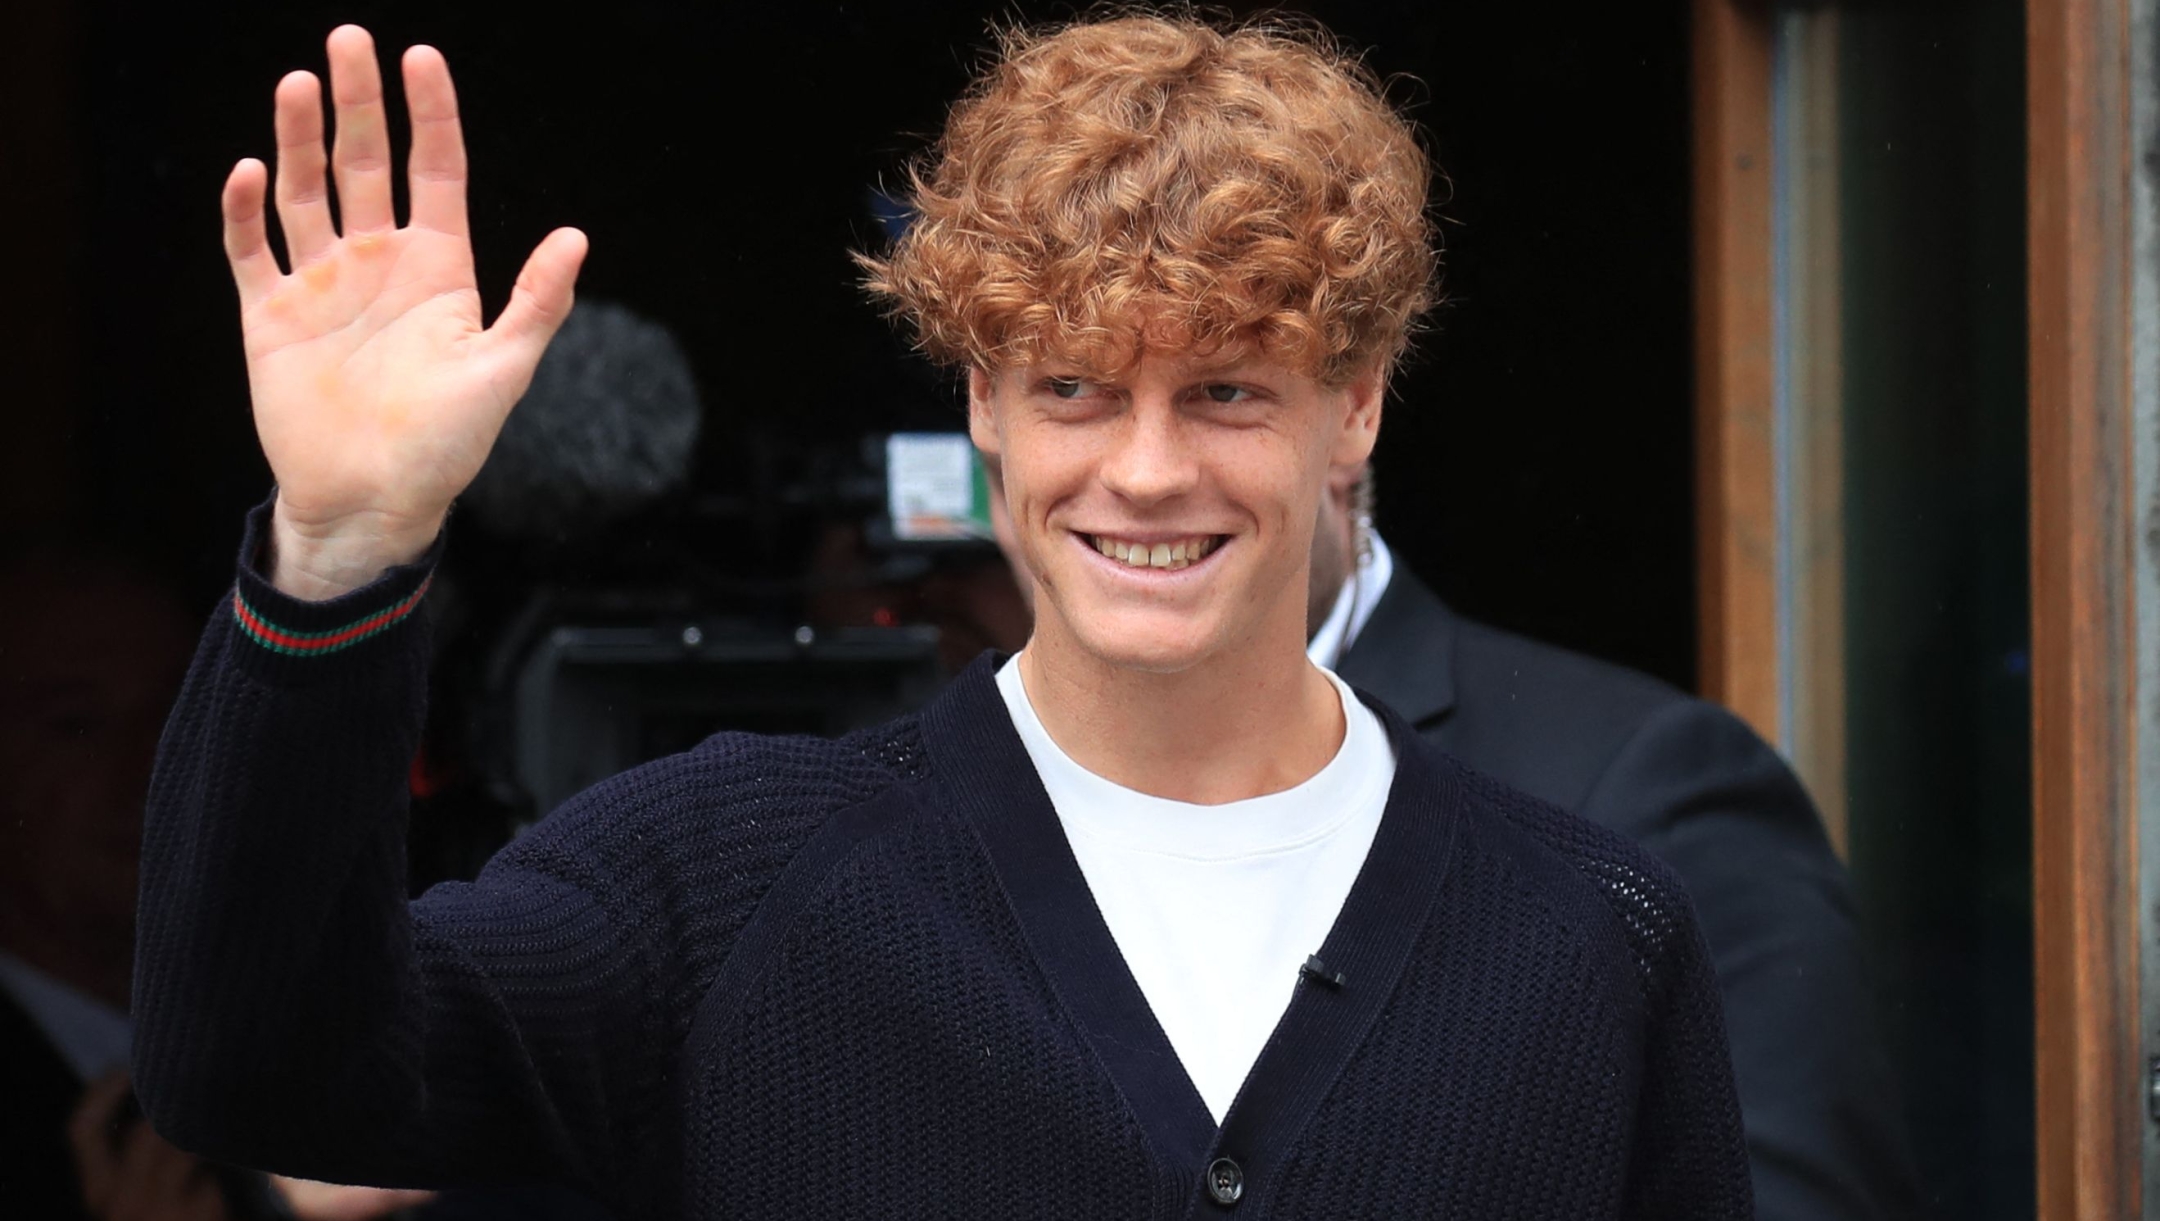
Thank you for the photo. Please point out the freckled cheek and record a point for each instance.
(1044, 473)
(1263, 479)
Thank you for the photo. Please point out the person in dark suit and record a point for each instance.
(1690, 782)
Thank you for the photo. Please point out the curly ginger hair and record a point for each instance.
(1154, 183)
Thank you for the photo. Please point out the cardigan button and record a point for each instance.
(1225, 1181)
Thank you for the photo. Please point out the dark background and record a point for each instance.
(1535, 466)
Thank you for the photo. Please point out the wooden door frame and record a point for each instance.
(2080, 156)
(1770, 533)
(1735, 369)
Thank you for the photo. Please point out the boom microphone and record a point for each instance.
(609, 426)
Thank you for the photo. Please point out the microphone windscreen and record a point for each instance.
(609, 426)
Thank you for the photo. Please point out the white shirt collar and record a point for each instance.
(89, 1034)
(1356, 777)
(1354, 605)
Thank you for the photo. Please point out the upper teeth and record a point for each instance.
(1156, 555)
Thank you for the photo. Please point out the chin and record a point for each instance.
(1157, 642)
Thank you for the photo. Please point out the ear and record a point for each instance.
(1342, 481)
(982, 418)
(1361, 421)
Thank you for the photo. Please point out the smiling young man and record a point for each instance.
(1155, 920)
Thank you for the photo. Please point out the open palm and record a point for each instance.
(377, 390)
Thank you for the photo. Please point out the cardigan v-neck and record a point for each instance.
(992, 782)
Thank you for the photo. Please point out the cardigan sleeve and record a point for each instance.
(294, 1012)
(1690, 1157)
(1710, 799)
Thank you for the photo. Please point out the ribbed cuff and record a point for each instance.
(281, 634)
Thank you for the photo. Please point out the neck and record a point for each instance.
(1322, 604)
(1257, 719)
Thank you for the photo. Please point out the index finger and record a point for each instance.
(437, 166)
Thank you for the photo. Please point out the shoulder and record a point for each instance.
(1543, 718)
(678, 856)
(1582, 868)
(1416, 638)
(1521, 670)
(737, 805)
(1555, 722)
(1502, 676)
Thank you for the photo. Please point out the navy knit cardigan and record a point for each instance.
(864, 978)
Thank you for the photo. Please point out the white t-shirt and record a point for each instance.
(1216, 907)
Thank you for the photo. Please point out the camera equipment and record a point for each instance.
(591, 701)
(620, 616)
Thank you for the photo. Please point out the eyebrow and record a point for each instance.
(1201, 373)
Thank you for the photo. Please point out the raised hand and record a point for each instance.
(377, 390)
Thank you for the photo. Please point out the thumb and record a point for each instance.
(542, 297)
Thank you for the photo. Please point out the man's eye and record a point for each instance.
(1067, 387)
(1222, 392)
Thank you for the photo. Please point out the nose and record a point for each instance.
(1151, 460)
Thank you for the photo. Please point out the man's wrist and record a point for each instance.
(318, 566)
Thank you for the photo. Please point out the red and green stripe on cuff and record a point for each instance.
(314, 644)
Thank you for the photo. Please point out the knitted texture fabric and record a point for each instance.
(1504, 1128)
(861, 978)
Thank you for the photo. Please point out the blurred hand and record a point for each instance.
(129, 1172)
(312, 1201)
(377, 392)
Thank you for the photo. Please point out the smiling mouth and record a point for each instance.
(1176, 553)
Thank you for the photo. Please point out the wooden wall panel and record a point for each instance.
(2089, 1079)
